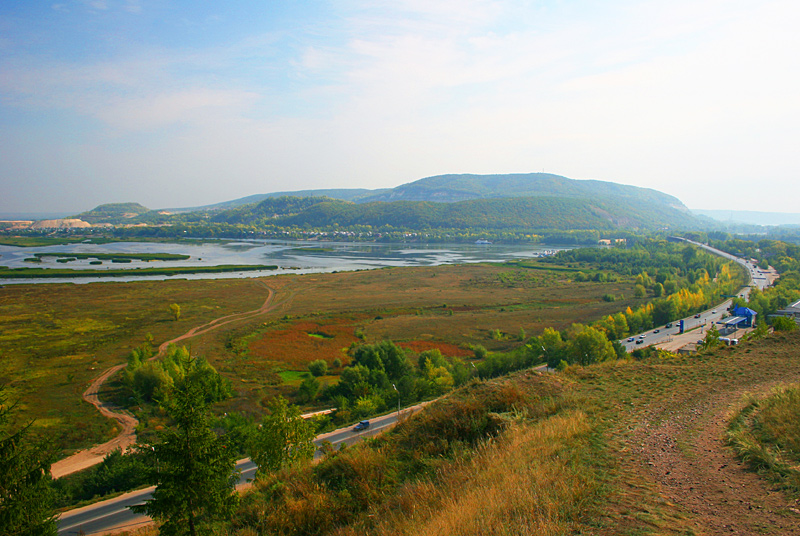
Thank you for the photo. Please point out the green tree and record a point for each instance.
(175, 309)
(283, 438)
(318, 368)
(552, 346)
(782, 323)
(711, 339)
(639, 291)
(194, 474)
(590, 345)
(25, 494)
(309, 389)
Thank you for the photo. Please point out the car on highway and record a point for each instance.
(697, 315)
(363, 425)
(631, 339)
(713, 312)
(640, 341)
(669, 325)
(656, 330)
(641, 336)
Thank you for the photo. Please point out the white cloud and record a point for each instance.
(689, 97)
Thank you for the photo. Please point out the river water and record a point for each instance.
(290, 257)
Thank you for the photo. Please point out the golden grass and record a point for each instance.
(524, 483)
(765, 435)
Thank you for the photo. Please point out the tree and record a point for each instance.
(176, 311)
(591, 346)
(783, 323)
(309, 389)
(25, 493)
(318, 368)
(552, 346)
(639, 291)
(194, 474)
(711, 339)
(282, 438)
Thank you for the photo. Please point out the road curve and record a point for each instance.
(114, 515)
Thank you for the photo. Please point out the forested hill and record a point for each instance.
(113, 212)
(535, 213)
(452, 188)
(522, 202)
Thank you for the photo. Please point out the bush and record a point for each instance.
(117, 472)
(318, 368)
(782, 323)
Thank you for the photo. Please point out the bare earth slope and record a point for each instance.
(674, 440)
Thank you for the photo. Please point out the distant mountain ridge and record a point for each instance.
(510, 201)
(452, 188)
(345, 194)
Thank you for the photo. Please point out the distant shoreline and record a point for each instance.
(46, 273)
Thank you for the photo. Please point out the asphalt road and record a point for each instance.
(113, 514)
(758, 278)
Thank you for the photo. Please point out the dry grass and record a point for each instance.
(525, 483)
(765, 435)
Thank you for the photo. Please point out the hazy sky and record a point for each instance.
(191, 102)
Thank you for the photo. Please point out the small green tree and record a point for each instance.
(282, 438)
(175, 309)
(25, 494)
(318, 368)
(309, 389)
(782, 323)
(711, 339)
(639, 291)
(194, 475)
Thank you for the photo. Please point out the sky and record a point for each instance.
(178, 103)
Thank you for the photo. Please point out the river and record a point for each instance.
(299, 257)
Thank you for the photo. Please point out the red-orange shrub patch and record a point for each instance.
(295, 346)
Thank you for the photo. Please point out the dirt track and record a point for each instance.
(684, 451)
(127, 422)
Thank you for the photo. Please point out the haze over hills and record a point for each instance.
(462, 187)
(751, 217)
(452, 188)
(494, 202)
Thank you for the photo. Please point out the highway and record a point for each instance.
(113, 515)
(760, 279)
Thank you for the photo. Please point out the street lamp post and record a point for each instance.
(398, 400)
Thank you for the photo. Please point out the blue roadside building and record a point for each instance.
(743, 317)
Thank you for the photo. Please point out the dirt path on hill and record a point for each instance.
(684, 452)
(127, 422)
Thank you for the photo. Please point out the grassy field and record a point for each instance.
(55, 338)
(620, 448)
(445, 307)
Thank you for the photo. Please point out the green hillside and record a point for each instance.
(536, 213)
(451, 188)
(113, 213)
